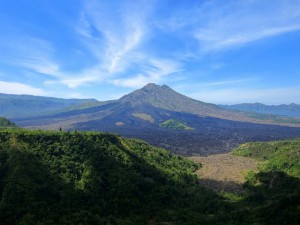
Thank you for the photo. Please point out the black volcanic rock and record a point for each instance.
(140, 113)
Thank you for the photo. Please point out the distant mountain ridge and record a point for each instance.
(12, 106)
(282, 110)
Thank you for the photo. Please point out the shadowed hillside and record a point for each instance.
(97, 178)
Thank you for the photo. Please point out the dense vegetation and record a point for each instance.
(175, 124)
(275, 189)
(276, 155)
(98, 178)
(6, 123)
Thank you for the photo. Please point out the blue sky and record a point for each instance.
(212, 50)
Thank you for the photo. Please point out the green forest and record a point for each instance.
(5, 123)
(57, 177)
(175, 125)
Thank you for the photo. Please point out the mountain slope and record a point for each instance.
(292, 110)
(207, 135)
(139, 115)
(101, 179)
(96, 178)
(164, 97)
(12, 106)
(6, 123)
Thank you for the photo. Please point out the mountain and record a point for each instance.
(13, 106)
(166, 119)
(292, 110)
(164, 97)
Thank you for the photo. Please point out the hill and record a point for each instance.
(278, 155)
(292, 110)
(6, 123)
(98, 178)
(142, 113)
(13, 106)
(276, 186)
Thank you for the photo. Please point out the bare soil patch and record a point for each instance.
(224, 172)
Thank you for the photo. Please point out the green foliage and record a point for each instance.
(274, 191)
(276, 156)
(94, 178)
(6, 123)
(97, 178)
(175, 124)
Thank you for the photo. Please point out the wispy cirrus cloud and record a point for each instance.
(32, 53)
(113, 35)
(128, 43)
(117, 39)
(237, 23)
(222, 25)
(154, 71)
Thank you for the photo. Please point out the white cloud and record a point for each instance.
(239, 95)
(220, 25)
(134, 82)
(155, 70)
(118, 33)
(236, 23)
(32, 53)
(19, 88)
(87, 77)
